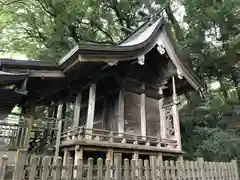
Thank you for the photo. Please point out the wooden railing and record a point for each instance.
(13, 135)
(134, 169)
(100, 136)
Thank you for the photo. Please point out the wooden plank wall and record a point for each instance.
(155, 169)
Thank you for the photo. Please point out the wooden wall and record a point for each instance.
(132, 113)
(152, 117)
(106, 114)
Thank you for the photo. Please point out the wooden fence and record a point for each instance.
(153, 169)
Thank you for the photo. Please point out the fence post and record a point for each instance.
(58, 168)
(146, 171)
(33, 167)
(234, 162)
(153, 167)
(173, 172)
(133, 169)
(118, 166)
(90, 169)
(79, 169)
(65, 160)
(69, 172)
(108, 170)
(140, 169)
(99, 169)
(3, 166)
(45, 169)
(19, 164)
(126, 169)
(160, 170)
(201, 168)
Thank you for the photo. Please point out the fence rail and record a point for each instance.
(154, 169)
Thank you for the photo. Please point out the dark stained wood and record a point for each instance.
(121, 111)
(69, 143)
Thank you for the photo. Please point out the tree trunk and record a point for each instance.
(177, 29)
(175, 24)
(224, 91)
(235, 73)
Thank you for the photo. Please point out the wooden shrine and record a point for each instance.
(124, 97)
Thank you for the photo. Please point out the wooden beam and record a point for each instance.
(176, 122)
(77, 109)
(59, 130)
(104, 113)
(38, 73)
(46, 74)
(143, 113)
(121, 111)
(29, 120)
(162, 116)
(91, 106)
(137, 89)
(107, 144)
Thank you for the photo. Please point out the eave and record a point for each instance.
(138, 44)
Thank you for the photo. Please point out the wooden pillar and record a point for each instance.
(77, 109)
(104, 114)
(109, 156)
(162, 116)
(66, 155)
(143, 113)
(29, 121)
(91, 107)
(59, 130)
(64, 108)
(78, 155)
(176, 122)
(118, 166)
(60, 111)
(58, 139)
(121, 112)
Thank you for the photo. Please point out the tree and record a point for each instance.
(53, 27)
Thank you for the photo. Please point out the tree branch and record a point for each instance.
(45, 9)
(93, 23)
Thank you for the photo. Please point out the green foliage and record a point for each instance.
(205, 133)
(47, 29)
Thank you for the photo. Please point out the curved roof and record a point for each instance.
(153, 33)
(90, 57)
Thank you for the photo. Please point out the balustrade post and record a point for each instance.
(81, 133)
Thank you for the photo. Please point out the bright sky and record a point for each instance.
(17, 56)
